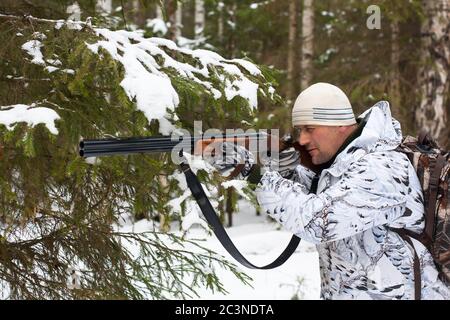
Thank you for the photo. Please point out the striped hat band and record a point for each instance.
(323, 116)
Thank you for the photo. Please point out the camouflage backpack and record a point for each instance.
(432, 166)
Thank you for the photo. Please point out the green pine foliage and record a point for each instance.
(59, 214)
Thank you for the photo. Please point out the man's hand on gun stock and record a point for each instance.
(237, 160)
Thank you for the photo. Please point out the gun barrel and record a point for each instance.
(109, 147)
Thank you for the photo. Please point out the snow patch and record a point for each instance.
(51, 69)
(238, 185)
(33, 48)
(29, 114)
(157, 25)
(249, 66)
(151, 88)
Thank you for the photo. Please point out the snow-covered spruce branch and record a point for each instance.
(59, 21)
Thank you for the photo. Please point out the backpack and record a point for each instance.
(432, 166)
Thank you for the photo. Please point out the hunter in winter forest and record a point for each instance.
(148, 148)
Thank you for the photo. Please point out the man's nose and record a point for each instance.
(303, 139)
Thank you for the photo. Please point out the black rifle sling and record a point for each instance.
(219, 231)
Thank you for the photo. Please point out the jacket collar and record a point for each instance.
(377, 131)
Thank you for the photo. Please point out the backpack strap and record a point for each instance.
(422, 138)
(427, 235)
(236, 171)
(417, 276)
(432, 199)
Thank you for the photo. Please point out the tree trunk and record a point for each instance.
(179, 20)
(199, 18)
(220, 23)
(394, 95)
(105, 6)
(172, 17)
(307, 43)
(432, 113)
(138, 13)
(291, 58)
(74, 12)
(229, 206)
(164, 225)
(159, 13)
(232, 39)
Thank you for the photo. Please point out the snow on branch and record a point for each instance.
(147, 61)
(11, 115)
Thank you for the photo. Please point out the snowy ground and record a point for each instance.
(261, 241)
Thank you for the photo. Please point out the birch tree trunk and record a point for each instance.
(199, 18)
(220, 6)
(432, 114)
(159, 13)
(307, 43)
(232, 24)
(74, 12)
(105, 5)
(291, 58)
(179, 19)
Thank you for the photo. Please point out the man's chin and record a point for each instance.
(317, 161)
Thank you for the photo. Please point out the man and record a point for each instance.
(363, 188)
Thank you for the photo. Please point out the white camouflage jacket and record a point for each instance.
(367, 189)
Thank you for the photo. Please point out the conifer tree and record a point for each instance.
(61, 217)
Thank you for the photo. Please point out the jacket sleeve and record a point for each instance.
(371, 192)
(303, 176)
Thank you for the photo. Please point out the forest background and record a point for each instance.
(58, 224)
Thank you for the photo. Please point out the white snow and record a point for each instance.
(55, 62)
(51, 69)
(271, 91)
(39, 36)
(175, 203)
(192, 217)
(70, 24)
(152, 88)
(157, 25)
(10, 115)
(69, 71)
(142, 82)
(249, 66)
(145, 83)
(246, 89)
(238, 185)
(260, 240)
(197, 162)
(33, 48)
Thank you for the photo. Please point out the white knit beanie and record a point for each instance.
(322, 104)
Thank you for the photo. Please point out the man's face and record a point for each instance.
(321, 142)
